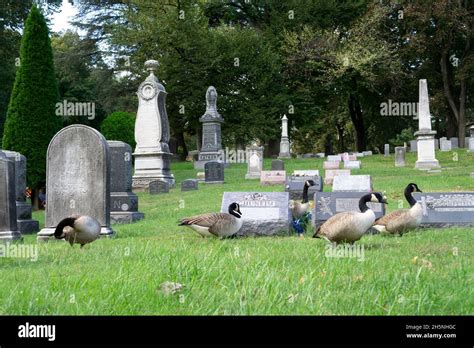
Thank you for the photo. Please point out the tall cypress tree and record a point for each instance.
(31, 120)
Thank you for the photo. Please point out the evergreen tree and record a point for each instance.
(31, 120)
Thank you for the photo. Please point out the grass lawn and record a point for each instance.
(429, 271)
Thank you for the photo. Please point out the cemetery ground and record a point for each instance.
(425, 272)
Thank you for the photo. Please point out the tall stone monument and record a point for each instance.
(152, 154)
(77, 178)
(211, 148)
(8, 224)
(123, 202)
(284, 143)
(425, 136)
(23, 209)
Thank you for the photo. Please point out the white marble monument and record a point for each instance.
(152, 155)
(425, 136)
(284, 143)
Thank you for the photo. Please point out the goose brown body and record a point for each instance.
(402, 220)
(216, 224)
(78, 230)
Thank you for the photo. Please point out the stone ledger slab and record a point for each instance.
(263, 213)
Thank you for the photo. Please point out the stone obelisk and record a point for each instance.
(425, 135)
(152, 133)
(284, 143)
(211, 148)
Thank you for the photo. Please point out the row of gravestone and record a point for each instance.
(267, 213)
(444, 144)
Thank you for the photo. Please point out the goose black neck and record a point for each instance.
(305, 193)
(363, 203)
(234, 213)
(409, 196)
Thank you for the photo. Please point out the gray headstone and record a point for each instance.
(436, 142)
(454, 143)
(211, 149)
(295, 185)
(327, 204)
(471, 144)
(77, 178)
(25, 223)
(400, 156)
(445, 145)
(359, 183)
(367, 153)
(466, 142)
(214, 173)
(413, 145)
(8, 223)
(359, 154)
(386, 150)
(123, 202)
(189, 185)
(263, 213)
(278, 165)
(158, 186)
(441, 209)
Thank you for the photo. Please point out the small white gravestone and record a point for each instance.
(306, 173)
(446, 145)
(359, 183)
(400, 156)
(331, 164)
(335, 158)
(330, 174)
(254, 161)
(352, 164)
(386, 150)
(272, 177)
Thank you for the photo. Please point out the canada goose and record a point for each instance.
(402, 220)
(349, 226)
(298, 209)
(217, 224)
(78, 229)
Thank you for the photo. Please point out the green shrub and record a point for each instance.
(120, 126)
(31, 119)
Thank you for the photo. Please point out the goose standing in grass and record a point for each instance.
(78, 229)
(402, 220)
(216, 224)
(350, 226)
(298, 209)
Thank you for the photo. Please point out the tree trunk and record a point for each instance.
(328, 149)
(357, 119)
(181, 144)
(199, 139)
(340, 133)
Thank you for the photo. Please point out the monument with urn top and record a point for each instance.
(211, 148)
(152, 133)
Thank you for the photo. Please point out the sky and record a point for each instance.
(60, 20)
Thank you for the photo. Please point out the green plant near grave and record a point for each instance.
(31, 120)
(119, 126)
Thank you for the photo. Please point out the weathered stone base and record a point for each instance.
(47, 233)
(427, 165)
(264, 228)
(28, 226)
(125, 217)
(9, 236)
